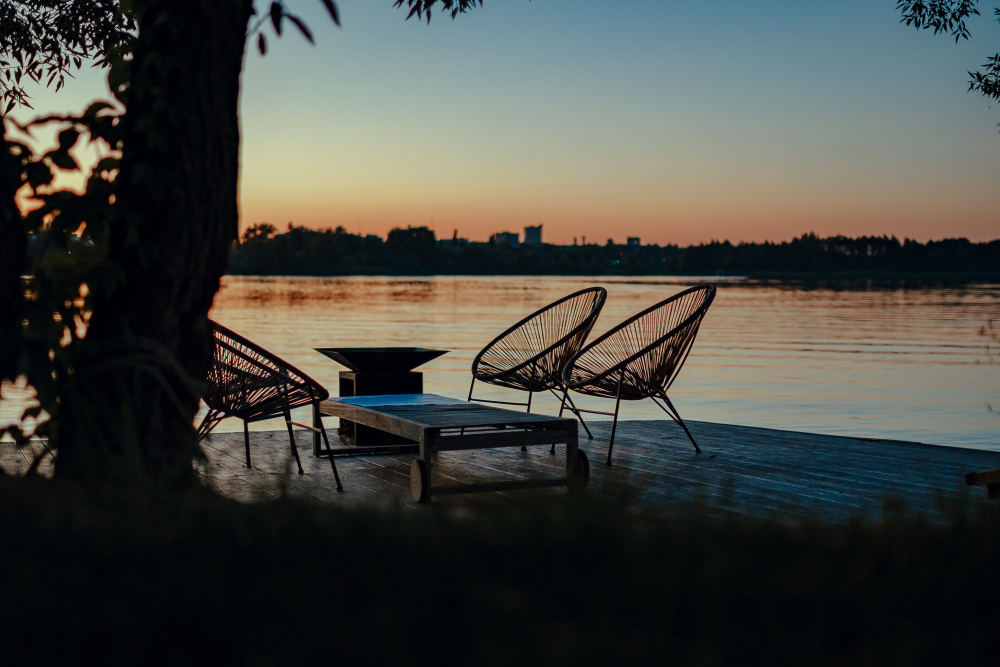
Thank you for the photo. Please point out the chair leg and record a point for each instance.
(291, 436)
(333, 464)
(523, 448)
(531, 388)
(246, 440)
(210, 421)
(676, 416)
(469, 399)
(579, 416)
(614, 424)
(317, 423)
(562, 406)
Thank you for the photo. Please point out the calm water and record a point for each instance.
(884, 363)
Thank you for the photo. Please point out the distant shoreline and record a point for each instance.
(877, 277)
(416, 251)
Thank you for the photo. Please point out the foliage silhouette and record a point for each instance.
(47, 39)
(949, 17)
(302, 251)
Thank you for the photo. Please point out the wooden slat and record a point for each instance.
(383, 422)
(831, 455)
(443, 415)
(784, 475)
(371, 450)
(502, 439)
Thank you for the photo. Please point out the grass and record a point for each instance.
(145, 578)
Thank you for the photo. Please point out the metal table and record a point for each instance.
(428, 423)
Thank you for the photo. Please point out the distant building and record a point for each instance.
(633, 241)
(505, 238)
(533, 235)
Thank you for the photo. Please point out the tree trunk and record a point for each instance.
(13, 256)
(127, 414)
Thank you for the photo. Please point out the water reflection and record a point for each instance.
(885, 362)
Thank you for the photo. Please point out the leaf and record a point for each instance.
(302, 27)
(332, 8)
(277, 12)
(10, 105)
(262, 44)
(38, 174)
(107, 164)
(68, 138)
(96, 108)
(62, 159)
(31, 413)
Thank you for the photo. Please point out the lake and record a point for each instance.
(896, 363)
(874, 362)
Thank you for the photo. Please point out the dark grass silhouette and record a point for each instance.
(141, 578)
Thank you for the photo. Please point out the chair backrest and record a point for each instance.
(650, 347)
(247, 381)
(540, 345)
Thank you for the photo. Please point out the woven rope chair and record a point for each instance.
(532, 354)
(641, 357)
(248, 382)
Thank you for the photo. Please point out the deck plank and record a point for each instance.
(784, 475)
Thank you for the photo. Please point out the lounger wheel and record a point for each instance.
(420, 481)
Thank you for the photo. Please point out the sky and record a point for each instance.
(676, 122)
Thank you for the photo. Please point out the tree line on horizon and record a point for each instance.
(416, 250)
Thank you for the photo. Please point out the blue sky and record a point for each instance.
(676, 122)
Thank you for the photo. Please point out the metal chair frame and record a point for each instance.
(248, 382)
(621, 365)
(546, 365)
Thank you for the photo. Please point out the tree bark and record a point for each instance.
(13, 258)
(127, 414)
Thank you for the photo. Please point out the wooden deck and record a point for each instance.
(742, 470)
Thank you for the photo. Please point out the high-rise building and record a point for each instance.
(505, 238)
(533, 235)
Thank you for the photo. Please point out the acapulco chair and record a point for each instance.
(531, 355)
(248, 382)
(641, 357)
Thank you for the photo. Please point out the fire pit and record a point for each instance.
(381, 359)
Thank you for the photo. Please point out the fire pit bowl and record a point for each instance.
(381, 359)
